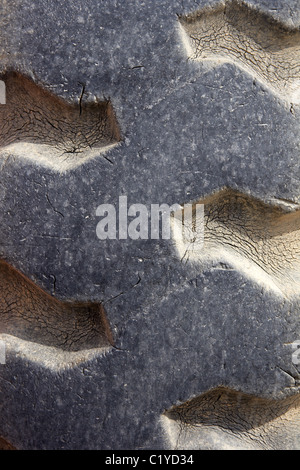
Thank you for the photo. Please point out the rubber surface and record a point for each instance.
(175, 327)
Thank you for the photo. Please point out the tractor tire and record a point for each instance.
(116, 335)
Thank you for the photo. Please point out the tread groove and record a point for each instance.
(38, 125)
(255, 42)
(30, 314)
(259, 240)
(239, 420)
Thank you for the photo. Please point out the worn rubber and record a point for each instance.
(149, 343)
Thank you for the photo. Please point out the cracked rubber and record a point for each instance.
(38, 125)
(144, 343)
(235, 420)
(29, 313)
(260, 240)
(238, 33)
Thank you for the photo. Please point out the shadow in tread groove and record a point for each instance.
(4, 445)
(224, 418)
(259, 240)
(237, 33)
(29, 313)
(38, 125)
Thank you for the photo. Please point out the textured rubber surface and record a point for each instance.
(234, 32)
(38, 125)
(260, 240)
(30, 314)
(226, 419)
(178, 327)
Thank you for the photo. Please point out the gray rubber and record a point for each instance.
(180, 331)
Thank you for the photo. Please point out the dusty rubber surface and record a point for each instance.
(159, 325)
(260, 240)
(31, 314)
(233, 420)
(36, 124)
(237, 33)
